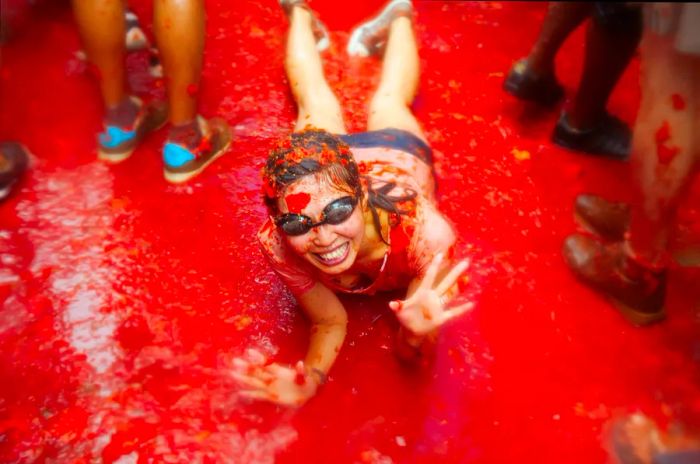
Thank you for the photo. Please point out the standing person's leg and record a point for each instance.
(666, 148)
(533, 78)
(179, 31)
(666, 144)
(127, 119)
(193, 142)
(611, 40)
(102, 29)
(317, 105)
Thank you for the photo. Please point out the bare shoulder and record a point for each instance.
(434, 230)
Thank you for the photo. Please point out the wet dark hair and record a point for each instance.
(310, 152)
(318, 152)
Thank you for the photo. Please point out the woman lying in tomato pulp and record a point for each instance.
(353, 213)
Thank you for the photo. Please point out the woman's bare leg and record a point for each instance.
(317, 104)
(390, 106)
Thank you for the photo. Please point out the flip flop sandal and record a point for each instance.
(369, 38)
(319, 29)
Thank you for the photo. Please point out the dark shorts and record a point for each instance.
(391, 138)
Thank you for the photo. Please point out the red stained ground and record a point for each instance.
(124, 299)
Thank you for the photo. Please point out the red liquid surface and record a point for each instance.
(124, 299)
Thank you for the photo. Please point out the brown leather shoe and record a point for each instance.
(636, 291)
(636, 439)
(606, 219)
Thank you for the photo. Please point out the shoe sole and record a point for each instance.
(114, 158)
(559, 139)
(638, 318)
(355, 47)
(181, 177)
(513, 90)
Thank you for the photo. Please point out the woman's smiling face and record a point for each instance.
(332, 248)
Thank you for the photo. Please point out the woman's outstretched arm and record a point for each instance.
(294, 385)
(329, 322)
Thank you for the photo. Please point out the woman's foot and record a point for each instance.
(636, 439)
(370, 37)
(14, 160)
(126, 125)
(636, 290)
(319, 29)
(137, 40)
(135, 37)
(606, 219)
(192, 147)
(524, 83)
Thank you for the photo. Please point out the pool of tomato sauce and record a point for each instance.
(123, 299)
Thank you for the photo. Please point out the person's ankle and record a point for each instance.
(583, 120)
(540, 67)
(638, 264)
(188, 134)
(123, 114)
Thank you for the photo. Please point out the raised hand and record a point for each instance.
(425, 310)
(285, 385)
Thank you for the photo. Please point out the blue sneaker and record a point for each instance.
(118, 143)
(182, 163)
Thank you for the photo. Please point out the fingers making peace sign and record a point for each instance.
(425, 310)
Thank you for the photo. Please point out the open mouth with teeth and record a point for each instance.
(335, 256)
